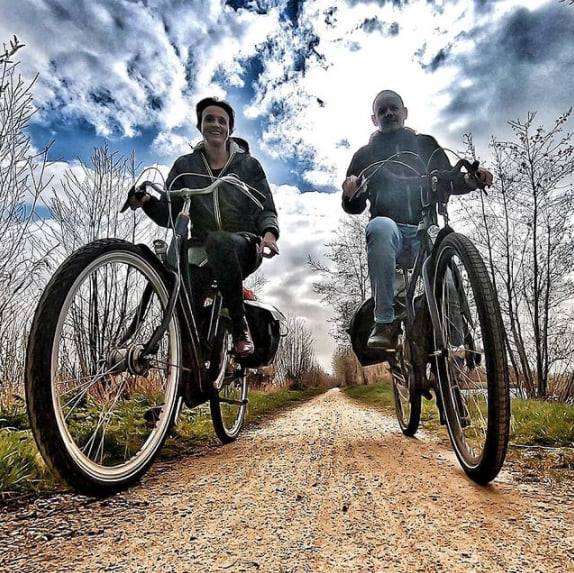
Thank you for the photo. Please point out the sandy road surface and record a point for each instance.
(328, 486)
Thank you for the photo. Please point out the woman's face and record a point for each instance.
(215, 125)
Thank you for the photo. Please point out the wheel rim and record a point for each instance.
(111, 420)
(465, 384)
(232, 386)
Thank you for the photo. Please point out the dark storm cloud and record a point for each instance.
(250, 5)
(513, 67)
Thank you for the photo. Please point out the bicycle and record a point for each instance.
(118, 345)
(450, 335)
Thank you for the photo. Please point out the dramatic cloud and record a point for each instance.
(307, 222)
(437, 55)
(125, 66)
(524, 64)
(302, 75)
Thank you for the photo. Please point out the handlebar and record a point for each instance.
(435, 179)
(139, 191)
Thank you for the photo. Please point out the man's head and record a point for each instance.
(215, 118)
(389, 111)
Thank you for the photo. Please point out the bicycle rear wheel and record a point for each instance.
(407, 400)
(472, 370)
(228, 403)
(100, 411)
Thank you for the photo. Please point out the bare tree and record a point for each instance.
(526, 230)
(295, 357)
(256, 281)
(344, 283)
(22, 180)
(86, 205)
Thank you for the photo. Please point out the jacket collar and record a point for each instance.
(395, 134)
(234, 147)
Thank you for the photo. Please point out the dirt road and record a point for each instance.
(329, 486)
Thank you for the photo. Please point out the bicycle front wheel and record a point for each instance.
(99, 410)
(228, 403)
(472, 368)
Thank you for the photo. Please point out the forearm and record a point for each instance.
(267, 221)
(158, 210)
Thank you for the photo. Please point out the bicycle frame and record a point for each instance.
(423, 267)
(175, 261)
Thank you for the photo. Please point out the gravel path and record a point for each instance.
(329, 486)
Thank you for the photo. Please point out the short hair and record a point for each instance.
(206, 102)
(388, 92)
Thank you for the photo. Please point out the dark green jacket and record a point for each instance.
(227, 209)
(389, 197)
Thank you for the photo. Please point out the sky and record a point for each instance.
(301, 75)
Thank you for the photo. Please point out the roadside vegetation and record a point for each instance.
(541, 432)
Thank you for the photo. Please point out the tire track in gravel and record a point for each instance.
(328, 486)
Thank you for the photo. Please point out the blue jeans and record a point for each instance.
(388, 244)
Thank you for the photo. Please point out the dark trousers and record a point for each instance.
(231, 257)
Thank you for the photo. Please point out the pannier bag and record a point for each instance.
(265, 325)
(361, 325)
(363, 321)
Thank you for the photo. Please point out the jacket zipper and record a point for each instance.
(216, 207)
(409, 200)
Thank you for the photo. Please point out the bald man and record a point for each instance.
(395, 206)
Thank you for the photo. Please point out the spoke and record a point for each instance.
(103, 419)
(163, 363)
(97, 378)
(82, 385)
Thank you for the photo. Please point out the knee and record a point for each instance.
(216, 242)
(382, 230)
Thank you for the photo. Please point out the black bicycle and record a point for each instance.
(118, 344)
(450, 335)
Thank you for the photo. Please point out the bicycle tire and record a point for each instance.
(59, 426)
(230, 383)
(407, 400)
(472, 370)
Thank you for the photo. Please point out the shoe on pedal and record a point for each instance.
(242, 342)
(383, 336)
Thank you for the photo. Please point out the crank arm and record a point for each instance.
(235, 402)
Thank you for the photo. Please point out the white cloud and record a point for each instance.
(122, 66)
(331, 102)
(307, 221)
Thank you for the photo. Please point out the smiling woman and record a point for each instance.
(234, 229)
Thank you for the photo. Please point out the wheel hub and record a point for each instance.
(129, 359)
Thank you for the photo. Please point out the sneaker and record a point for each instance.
(242, 342)
(383, 336)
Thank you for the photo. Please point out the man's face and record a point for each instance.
(389, 113)
(215, 124)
